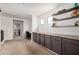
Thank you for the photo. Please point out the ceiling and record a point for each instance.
(25, 9)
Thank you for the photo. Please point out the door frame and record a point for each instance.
(14, 20)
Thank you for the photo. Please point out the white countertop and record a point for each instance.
(62, 35)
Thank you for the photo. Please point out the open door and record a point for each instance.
(17, 28)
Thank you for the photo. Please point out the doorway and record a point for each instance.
(17, 28)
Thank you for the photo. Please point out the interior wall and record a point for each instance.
(34, 23)
(7, 26)
(60, 30)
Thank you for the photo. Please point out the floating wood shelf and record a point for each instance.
(66, 26)
(66, 18)
(65, 11)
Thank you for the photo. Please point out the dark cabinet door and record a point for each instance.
(70, 46)
(41, 36)
(37, 37)
(34, 37)
(47, 41)
(56, 44)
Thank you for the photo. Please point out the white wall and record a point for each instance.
(65, 30)
(34, 23)
(7, 26)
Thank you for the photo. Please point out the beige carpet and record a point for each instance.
(22, 47)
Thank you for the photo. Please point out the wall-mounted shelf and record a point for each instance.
(65, 11)
(71, 17)
(66, 18)
(76, 24)
(65, 26)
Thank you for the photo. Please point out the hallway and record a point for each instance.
(49, 26)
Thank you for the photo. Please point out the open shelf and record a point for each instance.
(65, 11)
(66, 26)
(66, 18)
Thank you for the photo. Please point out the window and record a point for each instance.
(50, 20)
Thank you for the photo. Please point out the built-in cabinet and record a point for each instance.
(47, 41)
(41, 39)
(60, 45)
(56, 44)
(70, 46)
(34, 37)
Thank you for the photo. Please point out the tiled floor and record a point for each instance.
(23, 47)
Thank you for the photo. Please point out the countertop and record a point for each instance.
(76, 37)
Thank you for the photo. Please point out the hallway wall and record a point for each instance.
(7, 26)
